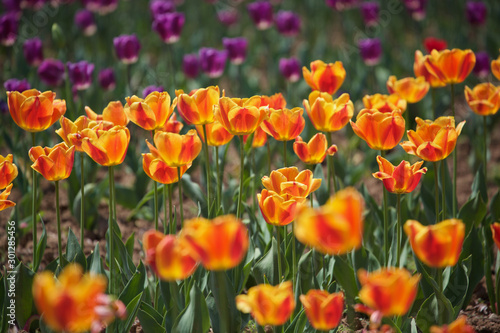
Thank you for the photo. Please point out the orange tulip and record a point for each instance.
(172, 125)
(324, 310)
(174, 149)
(389, 291)
(4, 202)
(33, 110)
(8, 171)
(219, 244)
(433, 140)
(152, 112)
(240, 120)
(314, 151)
(327, 114)
(168, 256)
(483, 99)
(495, 68)
(334, 228)
(451, 66)
(458, 326)
(269, 305)
(217, 134)
(401, 179)
(159, 171)
(420, 70)
(277, 210)
(437, 245)
(495, 231)
(198, 108)
(259, 138)
(53, 163)
(75, 302)
(409, 88)
(107, 147)
(325, 77)
(284, 124)
(73, 132)
(276, 101)
(113, 113)
(290, 183)
(385, 103)
(381, 131)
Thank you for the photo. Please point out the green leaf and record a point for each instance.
(479, 185)
(495, 206)
(268, 265)
(456, 289)
(93, 195)
(322, 192)
(429, 312)
(24, 297)
(129, 244)
(95, 262)
(195, 317)
(40, 247)
(132, 308)
(224, 296)
(150, 319)
(74, 253)
(193, 191)
(125, 196)
(344, 274)
(135, 284)
(473, 212)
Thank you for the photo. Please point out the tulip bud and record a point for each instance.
(84, 19)
(33, 51)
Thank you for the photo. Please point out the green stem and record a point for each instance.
(207, 161)
(176, 298)
(497, 287)
(436, 186)
(171, 221)
(254, 180)
(111, 234)
(156, 205)
(443, 186)
(386, 221)
(58, 218)
(454, 204)
(219, 180)
(331, 165)
(222, 301)
(433, 96)
(269, 156)
(242, 161)
(278, 239)
(179, 185)
(129, 78)
(487, 245)
(485, 138)
(439, 279)
(284, 154)
(33, 207)
(294, 260)
(324, 272)
(165, 213)
(399, 226)
(82, 201)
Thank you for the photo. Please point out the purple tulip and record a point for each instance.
(80, 74)
(149, 89)
(84, 19)
(290, 69)
(17, 85)
(102, 7)
(33, 51)
(476, 12)
(160, 7)
(127, 48)
(169, 26)
(9, 26)
(370, 11)
(261, 13)
(482, 67)
(51, 72)
(191, 65)
(288, 23)
(236, 49)
(213, 61)
(371, 50)
(107, 79)
(416, 8)
(342, 4)
(32, 4)
(228, 17)
(12, 6)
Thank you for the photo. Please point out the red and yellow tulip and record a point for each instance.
(113, 113)
(451, 66)
(284, 124)
(197, 108)
(107, 147)
(176, 150)
(483, 99)
(401, 179)
(216, 133)
(290, 183)
(385, 103)
(8, 171)
(327, 114)
(152, 112)
(324, 310)
(314, 151)
(73, 132)
(53, 163)
(172, 125)
(325, 77)
(4, 201)
(241, 120)
(495, 67)
(495, 232)
(158, 170)
(276, 209)
(409, 88)
(458, 326)
(259, 138)
(420, 70)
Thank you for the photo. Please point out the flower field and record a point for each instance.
(194, 166)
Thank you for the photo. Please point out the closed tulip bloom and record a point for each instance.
(236, 49)
(370, 50)
(127, 48)
(381, 131)
(213, 61)
(16, 85)
(324, 310)
(113, 113)
(409, 88)
(284, 124)
(35, 111)
(385, 103)
(288, 23)
(495, 68)
(416, 8)
(334, 228)
(451, 66)
(219, 244)
(191, 65)
(314, 151)
(370, 12)
(437, 44)
(198, 108)
(437, 245)
(495, 231)
(240, 120)
(268, 305)
(261, 13)
(107, 79)
(259, 138)
(51, 72)
(33, 51)
(80, 74)
(289, 182)
(8, 171)
(483, 99)
(290, 69)
(159, 7)
(73, 132)
(84, 19)
(4, 201)
(107, 147)
(228, 17)
(172, 125)
(476, 12)
(152, 88)
(216, 133)
(327, 114)
(176, 150)
(276, 101)
(458, 326)
(276, 209)
(325, 77)
(150, 113)
(169, 26)
(159, 171)
(53, 163)
(433, 140)
(482, 67)
(9, 26)
(168, 256)
(420, 69)
(389, 291)
(401, 179)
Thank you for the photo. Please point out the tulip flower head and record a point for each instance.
(409, 88)
(8, 171)
(107, 79)
(174, 149)
(314, 151)
(228, 17)
(476, 12)
(370, 50)
(342, 5)
(51, 72)
(450, 66)
(437, 44)
(259, 138)
(103, 7)
(213, 61)
(33, 51)
(236, 49)
(288, 23)
(261, 13)
(324, 310)
(482, 67)
(327, 114)
(381, 131)
(35, 111)
(495, 68)
(107, 147)
(401, 179)
(268, 305)
(53, 163)
(290, 69)
(152, 88)
(284, 124)
(127, 48)
(158, 170)
(85, 20)
(17, 85)
(169, 26)
(173, 125)
(73, 132)
(276, 101)
(152, 112)
(113, 113)
(325, 77)
(80, 74)
(433, 140)
(458, 326)
(278, 210)
(198, 108)
(216, 133)
(416, 8)
(385, 103)
(334, 228)
(495, 231)
(4, 201)
(291, 183)
(483, 99)
(437, 245)
(9, 27)
(370, 12)
(191, 65)
(241, 120)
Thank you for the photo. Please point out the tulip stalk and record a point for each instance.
(386, 220)
(111, 230)
(170, 210)
(207, 161)
(485, 138)
(165, 213)
(399, 226)
(433, 100)
(82, 201)
(156, 204)
(242, 161)
(179, 185)
(58, 219)
(330, 166)
(278, 239)
(454, 204)
(443, 185)
(440, 287)
(219, 181)
(33, 206)
(436, 186)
